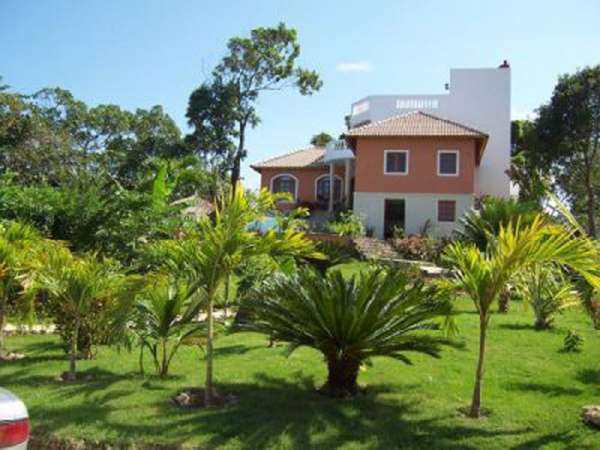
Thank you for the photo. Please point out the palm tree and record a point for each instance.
(484, 274)
(78, 284)
(164, 318)
(18, 243)
(548, 292)
(218, 246)
(374, 313)
(480, 226)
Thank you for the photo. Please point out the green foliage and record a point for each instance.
(348, 224)
(86, 295)
(374, 313)
(483, 274)
(264, 61)
(336, 252)
(573, 342)
(548, 292)
(480, 226)
(321, 139)
(18, 244)
(566, 144)
(166, 313)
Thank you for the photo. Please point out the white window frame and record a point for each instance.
(439, 154)
(437, 210)
(297, 186)
(326, 175)
(385, 153)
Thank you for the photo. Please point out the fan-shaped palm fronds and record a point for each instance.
(375, 313)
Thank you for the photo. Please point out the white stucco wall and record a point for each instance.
(479, 98)
(418, 209)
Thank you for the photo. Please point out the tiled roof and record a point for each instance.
(415, 123)
(311, 156)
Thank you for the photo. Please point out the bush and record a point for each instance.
(573, 342)
(420, 247)
(348, 224)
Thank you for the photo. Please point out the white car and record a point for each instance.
(14, 422)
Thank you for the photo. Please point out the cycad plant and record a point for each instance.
(165, 314)
(484, 274)
(350, 320)
(18, 244)
(79, 285)
(548, 292)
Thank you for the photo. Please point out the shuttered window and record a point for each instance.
(446, 210)
(447, 162)
(396, 162)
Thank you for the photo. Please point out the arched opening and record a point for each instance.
(322, 187)
(285, 182)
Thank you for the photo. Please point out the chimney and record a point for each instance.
(504, 65)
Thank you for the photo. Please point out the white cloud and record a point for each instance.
(353, 66)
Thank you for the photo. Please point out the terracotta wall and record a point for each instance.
(306, 179)
(422, 167)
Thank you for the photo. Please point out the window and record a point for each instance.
(448, 163)
(395, 162)
(446, 210)
(322, 188)
(285, 183)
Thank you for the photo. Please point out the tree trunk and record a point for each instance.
(504, 301)
(237, 159)
(164, 367)
(226, 295)
(475, 411)
(591, 199)
(3, 351)
(341, 377)
(71, 376)
(208, 387)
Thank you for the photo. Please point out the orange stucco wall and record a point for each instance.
(422, 174)
(306, 179)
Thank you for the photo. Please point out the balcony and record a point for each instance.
(338, 151)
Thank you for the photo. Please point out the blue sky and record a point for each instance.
(141, 53)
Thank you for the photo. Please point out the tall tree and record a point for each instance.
(321, 139)
(265, 61)
(568, 134)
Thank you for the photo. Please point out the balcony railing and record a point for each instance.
(338, 150)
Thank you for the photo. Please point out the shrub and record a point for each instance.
(348, 224)
(374, 313)
(548, 292)
(573, 342)
(420, 247)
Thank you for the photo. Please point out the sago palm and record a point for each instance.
(350, 320)
(484, 274)
(164, 318)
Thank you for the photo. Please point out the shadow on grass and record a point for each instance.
(590, 377)
(546, 389)
(275, 413)
(517, 326)
(236, 349)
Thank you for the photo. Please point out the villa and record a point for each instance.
(409, 161)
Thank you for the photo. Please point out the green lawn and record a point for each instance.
(533, 391)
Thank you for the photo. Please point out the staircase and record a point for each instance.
(372, 248)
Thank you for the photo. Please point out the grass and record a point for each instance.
(533, 392)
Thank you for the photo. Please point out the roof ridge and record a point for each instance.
(452, 122)
(387, 119)
(291, 152)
